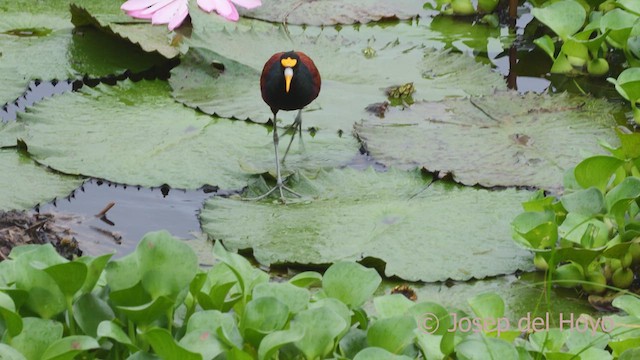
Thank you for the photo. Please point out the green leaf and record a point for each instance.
(487, 306)
(110, 330)
(565, 18)
(123, 273)
(95, 267)
(306, 279)
(628, 84)
(547, 45)
(585, 202)
(485, 348)
(30, 184)
(69, 276)
(434, 74)
(320, 327)
(9, 353)
(294, 297)
(45, 297)
(12, 320)
(97, 132)
(621, 197)
(393, 206)
(203, 342)
(350, 283)
(36, 336)
(620, 23)
(357, 11)
(391, 305)
(432, 318)
(500, 140)
(147, 313)
(393, 334)
(70, 346)
(376, 353)
(596, 171)
(630, 304)
(166, 347)
(90, 311)
(262, 316)
(271, 343)
(167, 264)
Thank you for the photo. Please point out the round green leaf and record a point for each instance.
(376, 353)
(320, 327)
(166, 347)
(9, 353)
(350, 283)
(473, 348)
(12, 320)
(31, 184)
(393, 334)
(70, 346)
(271, 343)
(262, 316)
(392, 305)
(90, 311)
(596, 171)
(565, 17)
(501, 140)
(294, 297)
(134, 133)
(69, 276)
(410, 222)
(586, 202)
(110, 330)
(36, 336)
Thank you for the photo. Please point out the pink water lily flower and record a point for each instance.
(173, 12)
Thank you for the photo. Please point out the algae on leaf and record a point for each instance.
(421, 230)
(25, 184)
(136, 134)
(500, 140)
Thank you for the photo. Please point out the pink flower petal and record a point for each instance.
(133, 5)
(247, 4)
(227, 10)
(179, 17)
(159, 5)
(166, 14)
(139, 15)
(207, 5)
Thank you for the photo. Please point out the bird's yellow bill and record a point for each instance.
(288, 75)
(288, 62)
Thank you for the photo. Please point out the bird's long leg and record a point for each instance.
(279, 183)
(296, 123)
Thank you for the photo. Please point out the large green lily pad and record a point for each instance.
(110, 19)
(418, 228)
(351, 80)
(26, 184)
(134, 133)
(333, 12)
(501, 140)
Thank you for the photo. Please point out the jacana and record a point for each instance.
(289, 81)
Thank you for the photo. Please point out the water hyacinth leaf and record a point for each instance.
(431, 318)
(596, 171)
(320, 327)
(147, 313)
(547, 45)
(40, 256)
(628, 84)
(630, 305)
(629, 5)
(350, 82)
(619, 23)
(333, 12)
(486, 348)
(350, 283)
(262, 316)
(487, 306)
(103, 128)
(123, 273)
(203, 342)
(306, 279)
(70, 346)
(391, 305)
(393, 334)
(621, 197)
(353, 342)
(36, 336)
(9, 353)
(565, 17)
(167, 264)
(271, 343)
(166, 347)
(31, 184)
(90, 311)
(12, 320)
(69, 276)
(95, 266)
(399, 207)
(586, 202)
(45, 297)
(110, 330)
(499, 140)
(294, 297)
(376, 353)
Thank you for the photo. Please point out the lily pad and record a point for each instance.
(500, 140)
(26, 184)
(416, 227)
(333, 12)
(134, 133)
(217, 77)
(108, 17)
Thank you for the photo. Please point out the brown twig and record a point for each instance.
(104, 211)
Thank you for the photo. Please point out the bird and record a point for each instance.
(289, 81)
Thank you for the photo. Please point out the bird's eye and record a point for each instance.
(288, 62)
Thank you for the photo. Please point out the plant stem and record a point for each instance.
(71, 320)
